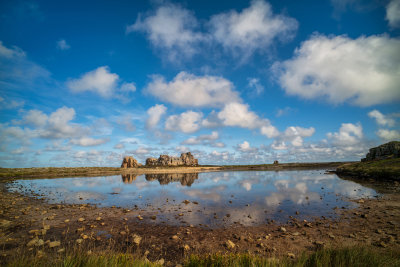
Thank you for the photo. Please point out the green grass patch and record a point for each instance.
(345, 257)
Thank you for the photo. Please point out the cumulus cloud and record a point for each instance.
(88, 141)
(186, 122)
(63, 45)
(205, 139)
(349, 135)
(119, 146)
(393, 13)
(35, 117)
(381, 119)
(154, 115)
(237, 114)
(245, 147)
(363, 71)
(388, 134)
(252, 29)
(194, 91)
(102, 82)
(170, 27)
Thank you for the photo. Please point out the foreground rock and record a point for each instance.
(129, 162)
(186, 159)
(385, 151)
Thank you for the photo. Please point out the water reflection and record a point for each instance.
(215, 198)
(186, 179)
(128, 178)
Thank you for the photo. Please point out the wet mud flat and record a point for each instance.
(31, 226)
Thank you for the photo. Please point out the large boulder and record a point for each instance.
(388, 150)
(151, 162)
(188, 159)
(129, 162)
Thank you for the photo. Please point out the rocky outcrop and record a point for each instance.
(186, 179)
(385, 151)
(129, 162)
(186, 159)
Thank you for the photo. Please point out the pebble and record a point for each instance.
(186, 247)
(54, 244)
(140, 217)
(282, 229)
(66, 221)
(229, 244)
(79, 241)
(136, 239)
(98, 219)
(291, 255)
(186, 201)
(160, 261)
(81, 219)
(174, 237)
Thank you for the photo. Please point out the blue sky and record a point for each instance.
(234, 82)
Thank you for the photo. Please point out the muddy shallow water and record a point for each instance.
(214, 198)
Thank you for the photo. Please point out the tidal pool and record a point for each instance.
(245, 197)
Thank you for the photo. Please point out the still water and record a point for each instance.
(246, 197)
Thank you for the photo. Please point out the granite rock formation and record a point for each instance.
(186, 179)
(388, 150)
(186, 159)
(129, 162)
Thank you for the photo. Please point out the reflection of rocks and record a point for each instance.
(186, 159)
(388, 150)
(129, 162)
(186, 179)
(128, 178)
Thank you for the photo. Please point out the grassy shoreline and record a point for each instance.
(57, 172)
(345, 256)
(386, 169)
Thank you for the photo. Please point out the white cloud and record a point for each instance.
(155, 113)
(18, 70)
(269, 131)
(381, 119)
(128, 87)
(100, 81)
(63, 45)
(393, 13)
(59, 125)
(206, 139)
(36, 118)
(119, 146)
(245, 147)
(364, 71)
(88, 141)
(10, 104)
(349, 135)
(237, 114)
(255, 84)
(388, 134)
(252, 29)
(186, 122)
(170, 27)
(194, 91)
(296, 134)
